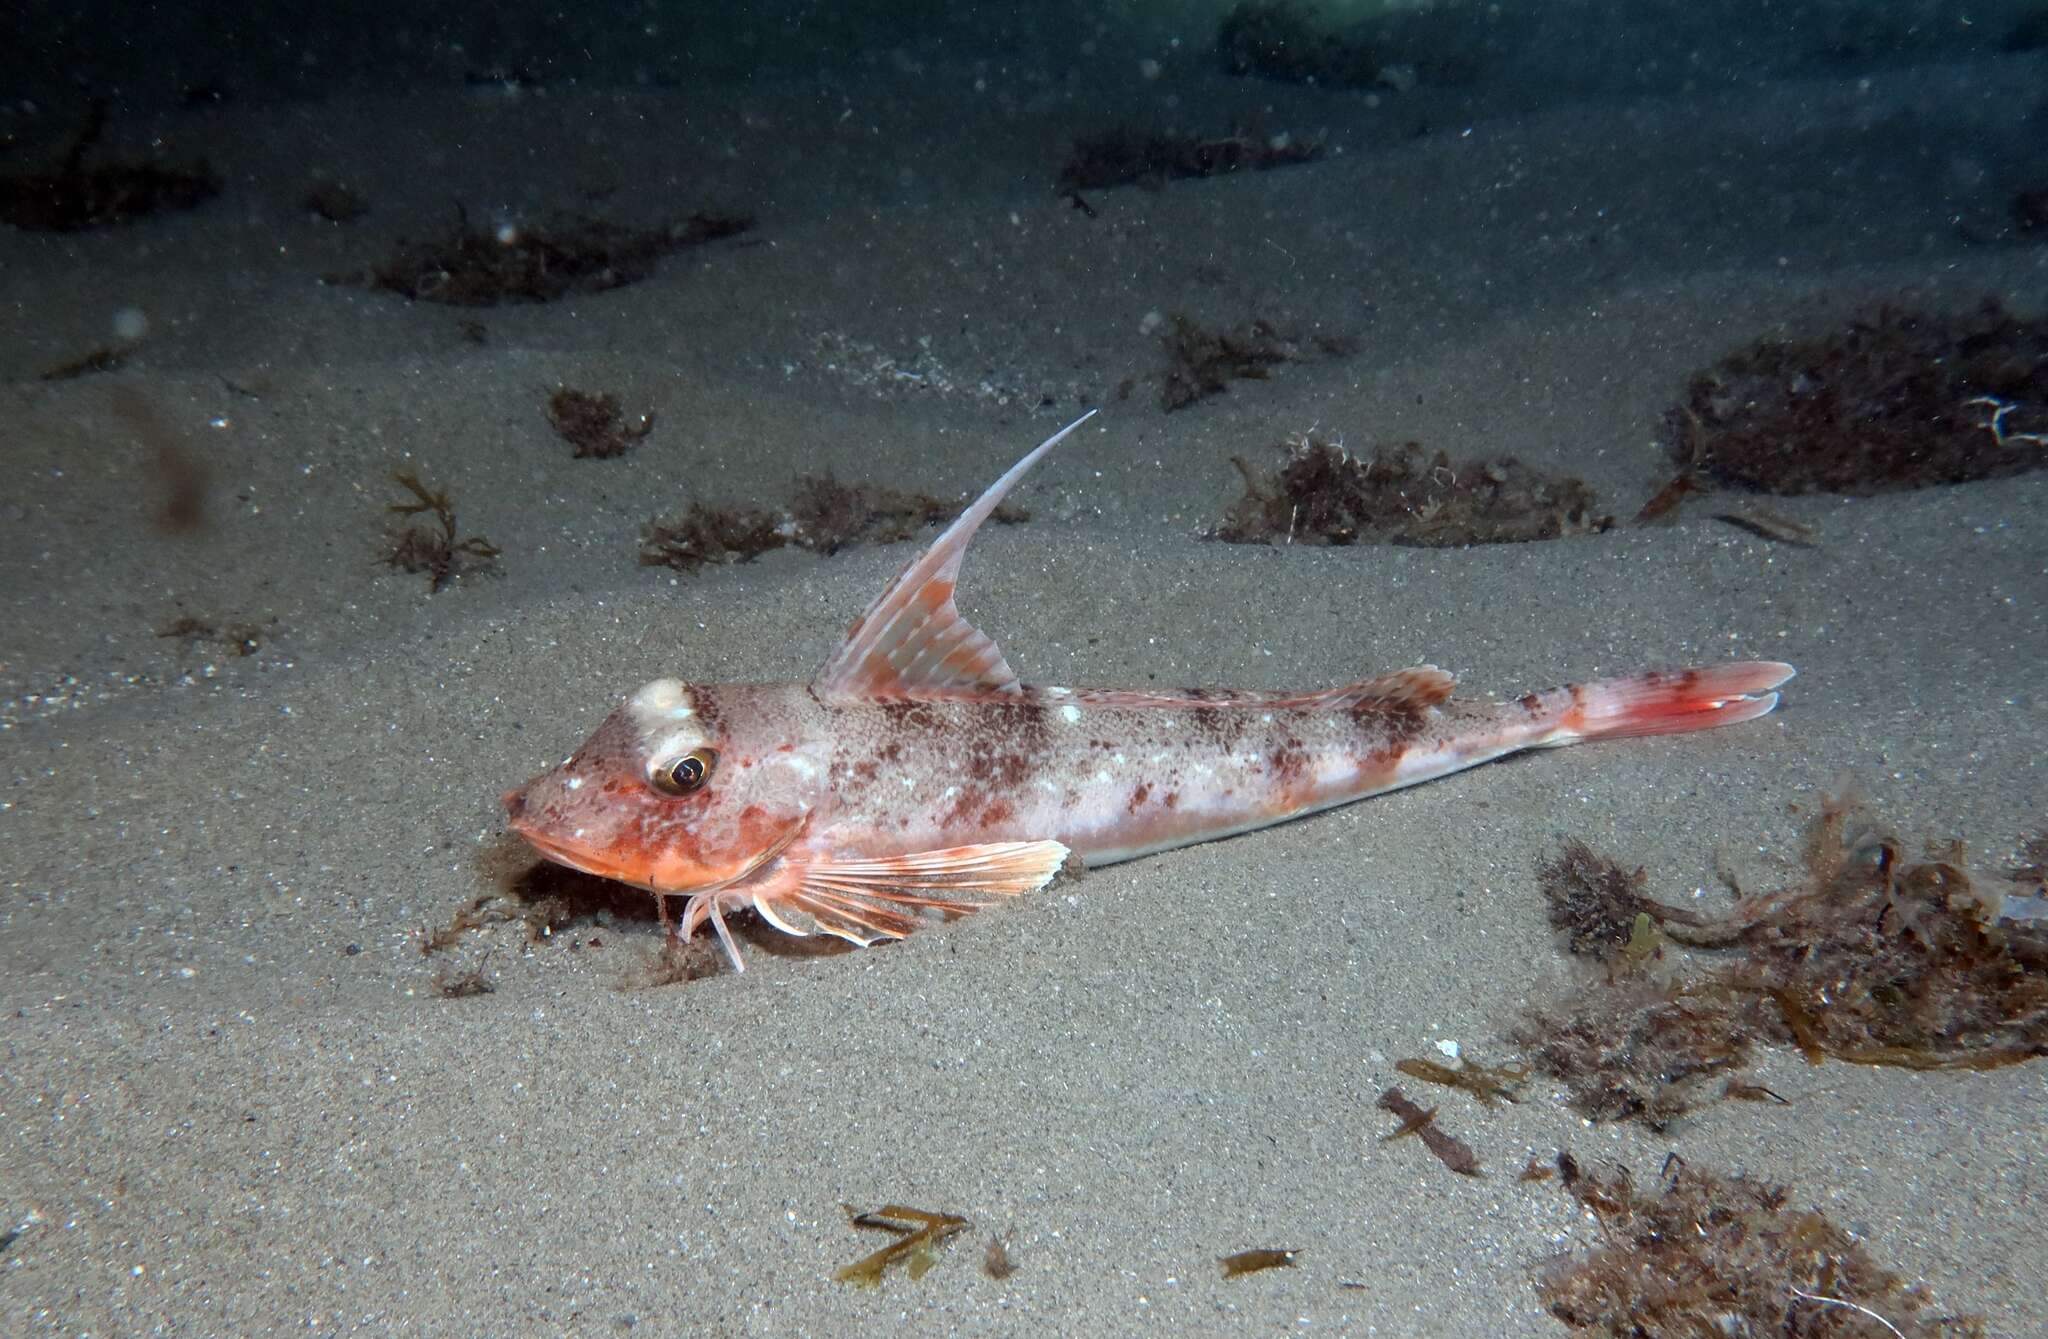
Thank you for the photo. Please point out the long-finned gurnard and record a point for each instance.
(915, 771)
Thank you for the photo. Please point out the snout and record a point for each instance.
(515, 803)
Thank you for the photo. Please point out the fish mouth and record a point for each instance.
(563, 854)
(583, 860)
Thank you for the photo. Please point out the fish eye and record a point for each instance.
(680, 776)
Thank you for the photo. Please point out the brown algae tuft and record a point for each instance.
(1872, 956)
(433, 549)
(1706, 1254)
(471, 267)
(1322, 494)
(1896, 399)
(824, 516)
(592, 422)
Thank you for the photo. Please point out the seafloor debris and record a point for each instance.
(996, 1261)
(463, 983)
(1237, 1265)
(1872, 957)
(1451, 1151)
(705, 535)
(103, 358)
(828, 515)
(1488, 1083)
(334, 201)
(177, 476)
(593, 424)
(1898, 399)
(475, 268)
(433, 549)
(1122, 155)
(1769, 525)
(1675, 490)
(1400, 47)
(2029, 207)
(75, 197)
(236, 637)
(1201, 362)
(1725, 1255)
(1325, 495)
(825, 516)
(917, 1231)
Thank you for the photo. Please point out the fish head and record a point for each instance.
(685, 787)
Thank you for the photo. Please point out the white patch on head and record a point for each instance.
(664, 718)
(1102, 776)
(575, 783)
(1070, 713)
(661, 701)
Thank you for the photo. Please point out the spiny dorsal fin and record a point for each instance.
(912, 642)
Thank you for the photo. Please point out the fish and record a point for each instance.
(915, 776)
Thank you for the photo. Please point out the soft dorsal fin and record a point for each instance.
(912, 641)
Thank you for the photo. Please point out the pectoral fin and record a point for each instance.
(867, 900)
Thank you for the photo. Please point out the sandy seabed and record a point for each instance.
(232, 1096)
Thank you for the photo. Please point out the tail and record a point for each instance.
(1665, 702)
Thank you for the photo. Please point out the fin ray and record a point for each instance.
(1668, 702)
(912, 640)
(866, 900)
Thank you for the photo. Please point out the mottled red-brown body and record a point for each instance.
(916, 771)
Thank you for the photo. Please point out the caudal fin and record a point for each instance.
(1667, 702)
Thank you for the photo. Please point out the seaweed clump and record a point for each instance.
(1710, 1254)
(593, 423)
(1898, 399)
(1324, 495)
(1871, 957)
(708, 536)
(829, 515)
(474, 268)
(75, 197)
(433, 549)
(825, 516)
(1121, 155)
